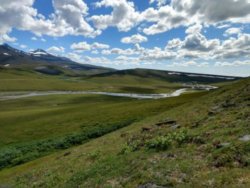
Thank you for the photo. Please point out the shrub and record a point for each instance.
(21, 153)
(159, 143)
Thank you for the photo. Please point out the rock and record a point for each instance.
(123, 135)
(176, 126)
(166, 122)
(228, 104)
(150, 185)
(245, 138)
(214, 110)
(146, 129)
(169, 156)
(67, 153)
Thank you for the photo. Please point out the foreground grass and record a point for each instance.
(206, 150)
(33, 127)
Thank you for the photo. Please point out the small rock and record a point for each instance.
(166, 122)
(146, 129)
(67, 153)
(169, 155)
(245, 138)
(175, 126)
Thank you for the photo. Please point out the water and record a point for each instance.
(18, 95)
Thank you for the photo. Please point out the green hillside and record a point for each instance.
(196, 140)
(135, 81)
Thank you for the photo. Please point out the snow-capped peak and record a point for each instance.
(39, 52)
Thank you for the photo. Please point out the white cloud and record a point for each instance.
(123, 16)
(164, 19)
(84, 46)
(119, 51)
(68, 18)
(33, 38)
(56, 49)
(134, 39)
(232, 31)
(6, 38)
(233, 64)
(97, 45)
(74, 57)
(81, 46)
(159, 2)
(23, 46)
(197, 28)
(234, 47)
(174, 43)
(187, 12)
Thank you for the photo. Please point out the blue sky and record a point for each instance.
(183, 35)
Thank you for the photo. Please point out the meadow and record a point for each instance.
(207, 129)
(29, 80)
(36, 126)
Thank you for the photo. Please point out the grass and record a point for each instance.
(36, 126)
(104, 141)
(191, 159)
(25, 80)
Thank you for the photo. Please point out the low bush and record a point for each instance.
(157, 142)
(19, 154)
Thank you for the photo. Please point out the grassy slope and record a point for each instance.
(23, 80)
(202, 160)
(35, 118)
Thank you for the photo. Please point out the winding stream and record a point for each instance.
(18, 95)
(25, 94)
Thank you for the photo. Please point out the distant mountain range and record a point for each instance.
(41, 61)
(170, 76)
(44, 62)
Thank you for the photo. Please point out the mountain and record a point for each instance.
(170, 76)
(44, 62)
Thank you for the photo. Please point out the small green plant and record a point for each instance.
(131, 147)
(180, 137)
(164, 142)
(159, 143)
(94, 155)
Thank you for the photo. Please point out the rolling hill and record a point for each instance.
(170, 76)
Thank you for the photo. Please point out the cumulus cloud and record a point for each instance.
(159, 2)
(134, 39)
(74, 56)
(81, 46)
(233, 64)
(6, 38)
(119, 51)
(234, 47)
(23, 46)
(71, 13)
(56, 49)
(84, 46)
(97, 45)
(123, 15)
(187, 12)
(33, 38)
(164, 19)
(232, 31)
(68, 18)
